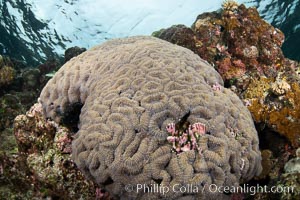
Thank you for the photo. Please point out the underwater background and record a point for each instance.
(44, 30)
(37, 38)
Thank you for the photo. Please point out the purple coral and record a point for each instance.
(186, 140)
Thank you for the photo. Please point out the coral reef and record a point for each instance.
(10, 107)
(6, 75)
(16, 96)
(44, 160)
(276, 106)
(122, 136)
(246, 51)
(180, 35)
(236, 40)
(21, 88)
(130, 90)
(291, 182)
(287, 181)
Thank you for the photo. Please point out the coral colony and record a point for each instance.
(186, 140)
(134, 93)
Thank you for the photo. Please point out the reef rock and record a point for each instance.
(236, 40)
(130, 90)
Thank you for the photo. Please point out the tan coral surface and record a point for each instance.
(130, 90)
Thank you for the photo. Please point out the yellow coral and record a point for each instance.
(285, 120)
(258, 88)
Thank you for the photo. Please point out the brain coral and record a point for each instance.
(131, 89)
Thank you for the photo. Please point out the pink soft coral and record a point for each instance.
(186, 140)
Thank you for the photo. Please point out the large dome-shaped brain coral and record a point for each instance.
(131, 90)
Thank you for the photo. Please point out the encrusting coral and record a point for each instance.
(130, 90)
(282, 113)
